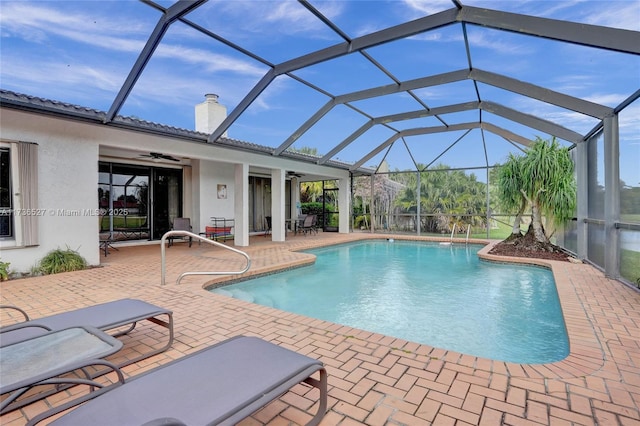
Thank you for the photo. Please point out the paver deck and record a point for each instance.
(373, 379)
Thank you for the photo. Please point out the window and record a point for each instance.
(19, 174)
(6, 204)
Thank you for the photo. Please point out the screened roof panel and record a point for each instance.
(465, 151)
(434, 52)
(469, 116)
(344, 74)
(330, 130)
(387, 105)
(364, 143)
(275, 64)
(418, 122)
(537, 109)
(398, 157)
(356, 18)
(212, 67)
(274, 106)
(274, 31)
(455, 149)
(583, 68)
(527, 132)
(76, 52)
(498, 148)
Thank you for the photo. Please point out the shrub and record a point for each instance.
(61, 261)
(4, 271)
(312, 208)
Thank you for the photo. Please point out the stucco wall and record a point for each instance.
(211, 175)
(69, 152)
(67, 185)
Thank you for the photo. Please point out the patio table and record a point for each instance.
(44, 359)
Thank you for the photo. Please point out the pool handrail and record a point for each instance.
(199, 238)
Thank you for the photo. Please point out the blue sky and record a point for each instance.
(81, 52)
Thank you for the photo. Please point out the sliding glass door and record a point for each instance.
(137, 202)
(166, 199)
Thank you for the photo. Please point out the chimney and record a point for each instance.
(209, 114)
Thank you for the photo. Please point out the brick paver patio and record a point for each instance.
(373, 379)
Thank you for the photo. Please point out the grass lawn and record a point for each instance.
(630, 265)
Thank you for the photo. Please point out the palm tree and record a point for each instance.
(508, 186)
(444, 192)
(542, 179)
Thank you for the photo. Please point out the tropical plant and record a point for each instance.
(61, 261)
(509, 184)
(310, 192)
(446, 197)
(541, 179)
(4, 271)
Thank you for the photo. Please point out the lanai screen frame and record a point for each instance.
(593, 36)
(588, 35)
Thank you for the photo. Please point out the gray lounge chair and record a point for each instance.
(106, 316)
(219, 385)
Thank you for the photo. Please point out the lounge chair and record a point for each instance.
(106, 316)
(219, 385)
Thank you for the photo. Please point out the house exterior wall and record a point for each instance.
(214, 174)
(68, 155)
(67, 188)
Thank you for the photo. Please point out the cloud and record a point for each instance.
(211, 61)
(37, 23)
(428, 7)
(616, 14)
(275, 19)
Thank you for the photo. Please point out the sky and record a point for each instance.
(81, 52)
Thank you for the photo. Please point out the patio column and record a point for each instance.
(344, 205)
(371, 203)
(295, 198)
(582, 210)
(611, 196)
(278, 216)
(241, 205)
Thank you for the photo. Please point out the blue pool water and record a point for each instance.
(440, 295)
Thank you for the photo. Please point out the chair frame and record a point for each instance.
(184, 224)
(246, 373)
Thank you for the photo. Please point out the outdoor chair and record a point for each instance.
(219, 385)
(267, 220)
(114, 316)
(309, 224)
(299, 222)
(181, 224)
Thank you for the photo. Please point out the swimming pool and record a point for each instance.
(440, 295)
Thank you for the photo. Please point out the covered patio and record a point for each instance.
(373, 379)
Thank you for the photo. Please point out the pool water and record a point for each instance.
(440, 295)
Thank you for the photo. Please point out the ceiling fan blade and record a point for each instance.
(159, 156)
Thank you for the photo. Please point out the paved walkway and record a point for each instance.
(373, 379)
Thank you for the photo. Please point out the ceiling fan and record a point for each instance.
(294, 174)
(159, 156)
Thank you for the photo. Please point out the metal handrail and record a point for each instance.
(200, 238)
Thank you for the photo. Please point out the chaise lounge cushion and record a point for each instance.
(219, 385)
